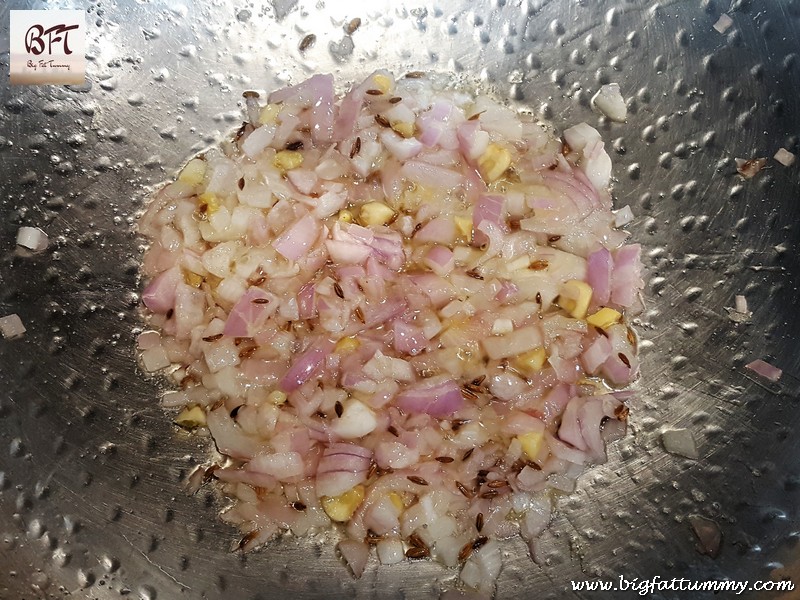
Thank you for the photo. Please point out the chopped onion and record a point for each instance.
(723, 23)
(32, 238)
(11, 326)
(680, 442)
(765, 369)
(609, 101)
(785, 157)
(372, 300)
(355, 555)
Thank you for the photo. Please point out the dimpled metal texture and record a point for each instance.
(91, 468)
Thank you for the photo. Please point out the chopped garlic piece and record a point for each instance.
(375, 213)
(531, 443)
(397, 501)
(532, 361)
(407, 130)
(208, 203)
(269, 114)
(345, 216)
(286, 160)
(347, 344)
(604, 318)
(191, 417)
(494, 162)
(341, 508)
(193, 172)
(277, 397)
(382, 82)
(464, 226)
(574, 297)
(192, 279)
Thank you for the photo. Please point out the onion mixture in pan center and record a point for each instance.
(402, 310)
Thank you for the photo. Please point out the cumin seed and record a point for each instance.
(464, 491)
(480, 541)
(352, 26)
(212, 338)
(469, 394)
(356, 147)
(416, 479)
(539, 265)
(307, 42)
(417, 552)
(465, 552)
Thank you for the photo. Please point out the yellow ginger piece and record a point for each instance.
(286, 160)
(341, 508)
(193, 172)
(269, 114)
(494, 162)
(604, 318)
(375, 213)
(531, 443)
(277, 397)
(464, 226)
(192, 279)
(208, 203)
(382, 82)
(532, 361)
(346, 345)
(190, 418)
(574, 297)
(406, 130)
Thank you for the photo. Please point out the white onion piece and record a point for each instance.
(32, 238)
(390, 551)
(355, 555)
(11, 326)
(723, 23)
(680, 442)
(609, 101)
(785, 157)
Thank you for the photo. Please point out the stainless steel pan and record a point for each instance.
(91, 504)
